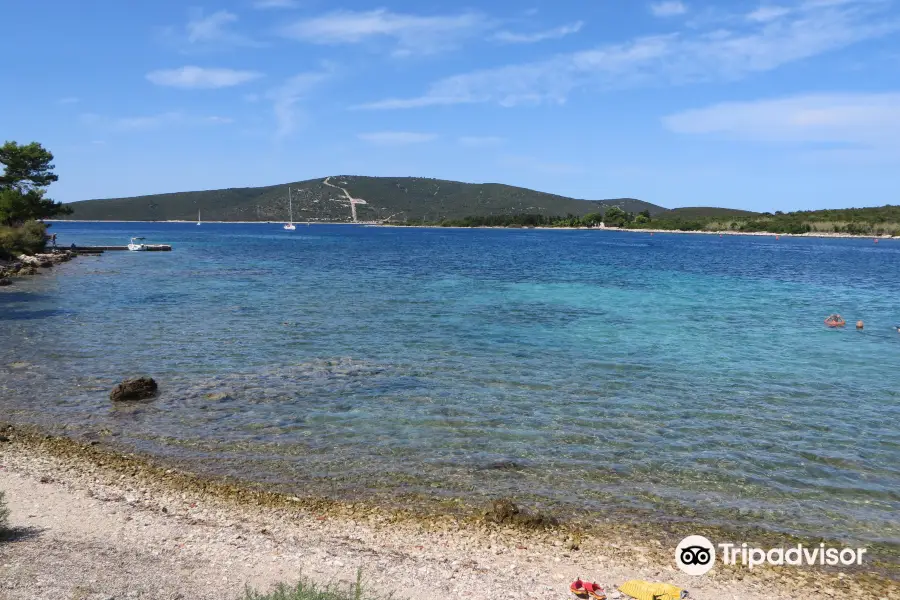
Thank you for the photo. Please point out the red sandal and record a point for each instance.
(594, 591)
(577, 588)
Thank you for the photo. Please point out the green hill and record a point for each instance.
(876, 220)
(387, 198)
(704, 212)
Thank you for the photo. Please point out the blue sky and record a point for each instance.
(784, 104)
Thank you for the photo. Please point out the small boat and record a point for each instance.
(290, 224)
(136, 247)
(835, 321)
(198, 216)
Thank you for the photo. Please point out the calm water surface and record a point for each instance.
(662, 377)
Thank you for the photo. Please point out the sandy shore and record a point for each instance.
(92, 525)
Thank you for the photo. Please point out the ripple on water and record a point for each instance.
(684, 378)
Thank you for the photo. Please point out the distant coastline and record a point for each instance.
(812, 234)
(817, 234)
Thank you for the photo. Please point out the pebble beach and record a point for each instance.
(94, 525)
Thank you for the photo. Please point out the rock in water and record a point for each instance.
(502, 511)
(140, 388)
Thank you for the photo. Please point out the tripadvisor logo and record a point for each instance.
(696, 555)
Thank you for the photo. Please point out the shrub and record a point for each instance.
(306, 590)
(4, 513)
(29, 238)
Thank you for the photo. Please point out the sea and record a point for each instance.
(624, 375)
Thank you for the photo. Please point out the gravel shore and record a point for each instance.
(93, 526)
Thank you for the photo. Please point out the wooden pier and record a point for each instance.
(102, 249)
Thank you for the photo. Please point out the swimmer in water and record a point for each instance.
(859, 324)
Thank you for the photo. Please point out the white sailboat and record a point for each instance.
(290, 224)
(198, 216)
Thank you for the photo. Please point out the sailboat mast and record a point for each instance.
(290, 207)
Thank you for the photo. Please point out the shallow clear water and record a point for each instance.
(665, 377)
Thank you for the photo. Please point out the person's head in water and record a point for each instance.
(859, 324)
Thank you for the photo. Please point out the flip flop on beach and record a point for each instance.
(585, 589)
(577, 588)
(594, 591)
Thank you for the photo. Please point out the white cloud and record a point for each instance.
(265, 4)
(208, 32)
(764, 14)
(149, 122)
(534, 83)
(484, 140)
(539, 36)
(809, 30)
(199, 77)
(286, 98)
(871, 120)
(210, 28)
(396, 138)
(411, 34)
(670, 8)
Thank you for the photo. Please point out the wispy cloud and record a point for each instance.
(396, 138)
(480, 140)
(266, 4)
(209, 32)
(149, 122)
(871, 120)
(68, 100)
(286, 99)
(409, 34)
(670, 8)
(764, 14)
(191, 77)
(535, 83)
(538, 36)
(812, 28)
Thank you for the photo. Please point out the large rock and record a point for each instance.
(140, 388)
(5, 281)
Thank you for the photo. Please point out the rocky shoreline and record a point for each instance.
(26, 266)
(103, 519)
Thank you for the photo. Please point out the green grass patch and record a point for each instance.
(4, 513)
(307, 590)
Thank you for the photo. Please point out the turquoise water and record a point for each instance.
(664, 377)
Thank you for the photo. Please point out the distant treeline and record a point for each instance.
(612, 217)
(884, 220)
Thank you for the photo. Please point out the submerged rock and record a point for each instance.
(5, 281)
(140, 388)
(506, 512)
(502, 511)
